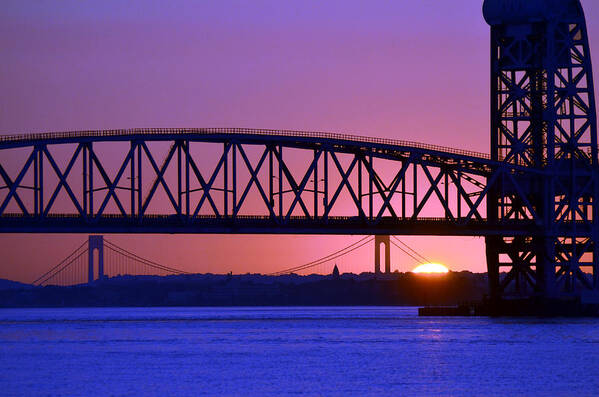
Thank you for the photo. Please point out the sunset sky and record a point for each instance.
(415, 70)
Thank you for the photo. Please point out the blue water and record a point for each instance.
(291, 351)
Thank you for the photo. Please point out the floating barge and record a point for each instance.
(530, 307)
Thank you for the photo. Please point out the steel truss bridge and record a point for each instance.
(293, 183)
(534, 198)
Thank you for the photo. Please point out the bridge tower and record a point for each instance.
(543, 119)
(95, 243)
(378, 240)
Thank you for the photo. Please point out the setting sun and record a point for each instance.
(430, 268)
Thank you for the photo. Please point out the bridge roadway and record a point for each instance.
(248, 224)
(437, 167)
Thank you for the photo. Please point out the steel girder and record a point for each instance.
(250, 181)
(543, 117)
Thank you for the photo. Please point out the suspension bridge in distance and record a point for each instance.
(98, 258)
(534, 197)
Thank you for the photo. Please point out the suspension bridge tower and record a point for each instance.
(95, 243)
(543, 119)
(385, 241)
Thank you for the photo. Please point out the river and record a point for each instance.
(291, 351)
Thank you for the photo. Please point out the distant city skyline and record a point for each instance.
(416, 71)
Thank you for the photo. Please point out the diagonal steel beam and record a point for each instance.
(434, 185)
(253, 179)
(63, 180)
(206, 186)
(111, 185)
(483, 194)
(428, 193)
(463, 194)
(524, 199)
(159, 178)
(298, 189)
(377, 181)
(12, 186)
(95, 160)
(344, 182)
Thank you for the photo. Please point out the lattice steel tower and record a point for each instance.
(543, 119)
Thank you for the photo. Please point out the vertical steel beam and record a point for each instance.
(85, 165)
(187, 184)
(281, 182)
(179, 179)
(360, 184)
(271, 199)
(226, 179)
(325, 198)
(234, 178)
(458, 198)
(35, 183)
(446, 198)
(403, 195)
(370, 192)
(139, 181)
(90, 179)
(40, 153)
(415, 188)
(316, 186)
(131, 179)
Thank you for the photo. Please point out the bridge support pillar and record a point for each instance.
(378, 240)
(543, 120)
(95, 243)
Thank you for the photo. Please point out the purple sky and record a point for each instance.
(408, 70)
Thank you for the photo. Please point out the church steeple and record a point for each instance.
(335, 272)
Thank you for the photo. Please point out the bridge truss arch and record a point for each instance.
(248, 181)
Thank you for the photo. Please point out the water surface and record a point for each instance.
(290, 351)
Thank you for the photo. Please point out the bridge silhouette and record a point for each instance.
(217, 199)
(534, 197)
(99, 258)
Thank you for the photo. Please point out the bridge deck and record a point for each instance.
(250, 224)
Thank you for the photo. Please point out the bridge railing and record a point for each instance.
(199, 216)
(237, 131)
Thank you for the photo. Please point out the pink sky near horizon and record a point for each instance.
(415, 71)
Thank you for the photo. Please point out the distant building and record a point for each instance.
(335, 272)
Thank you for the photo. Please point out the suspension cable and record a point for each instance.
(412, 250)
(137, 261)
(407, 253)
(137, 258)
(61, 262)
(51, 276)
(141, 261)
(338, 256)
(304, 267)
(321, 259)
(327, 258)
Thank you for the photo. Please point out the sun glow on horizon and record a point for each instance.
(431, 268)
